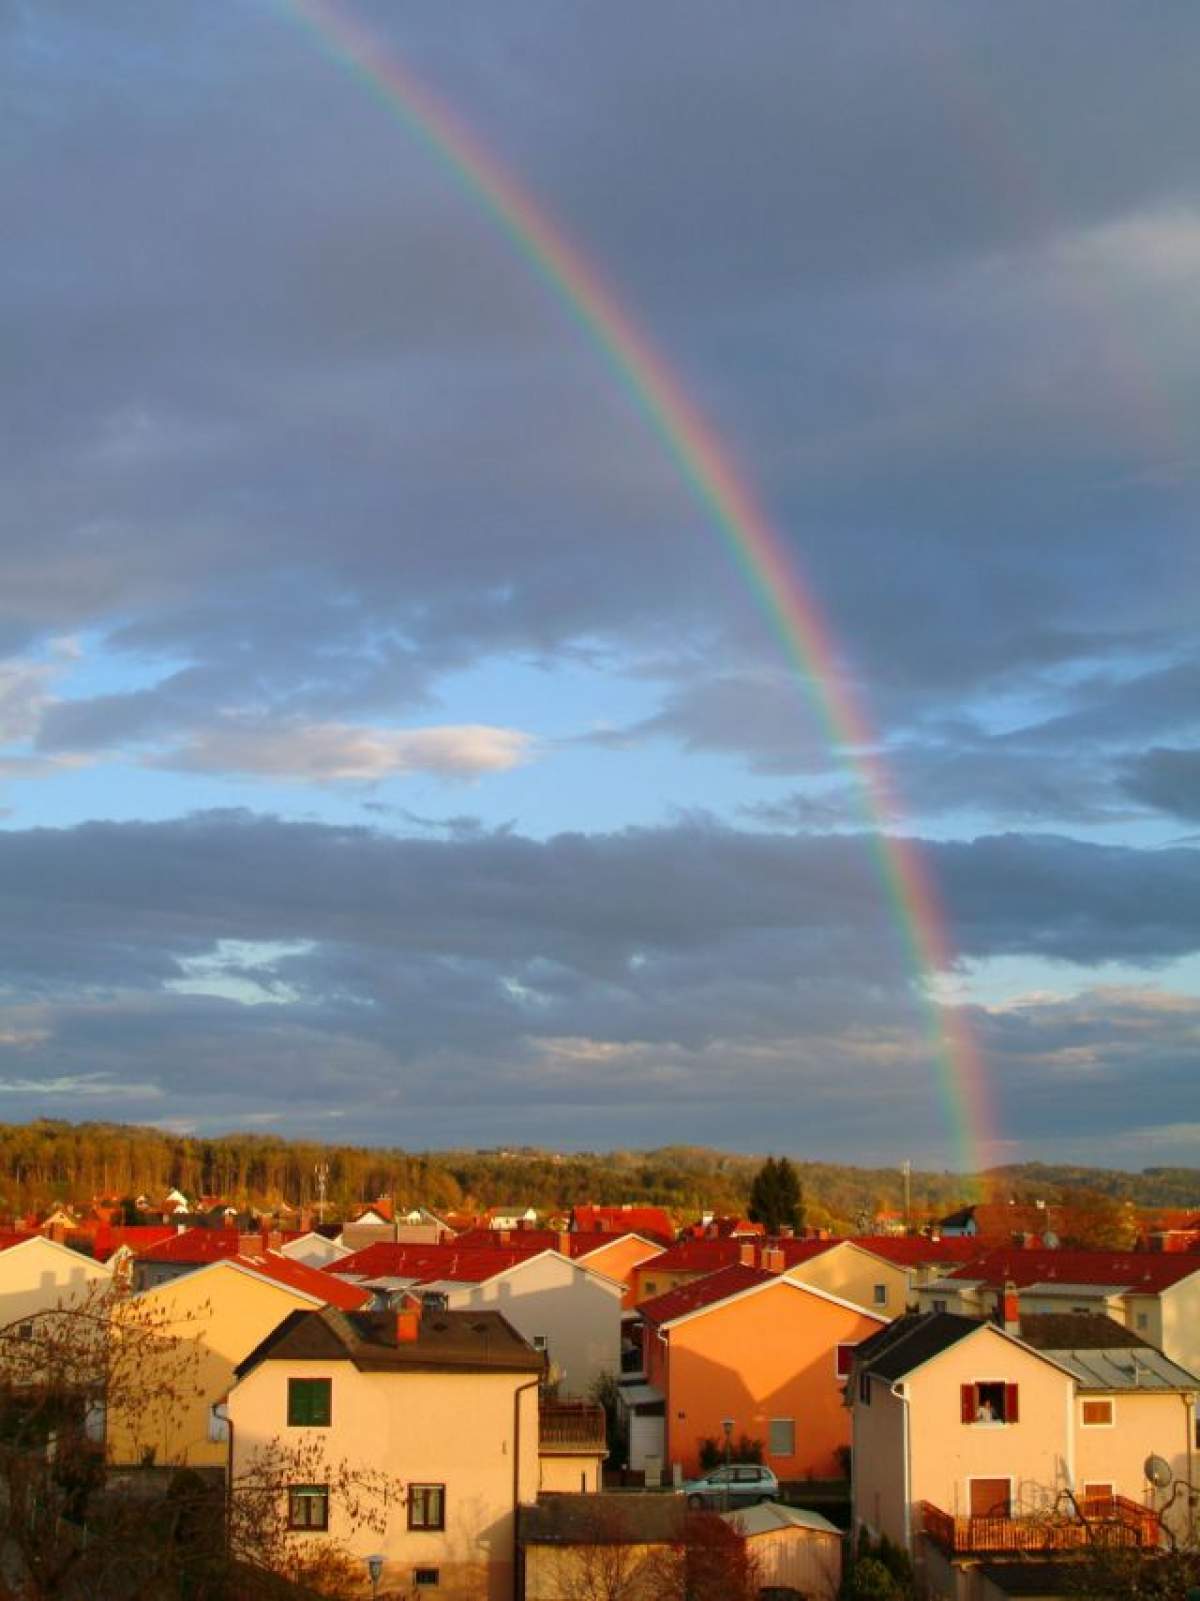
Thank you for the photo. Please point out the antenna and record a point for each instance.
(1158, 1470)
(321, 1174)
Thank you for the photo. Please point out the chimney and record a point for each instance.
(773, 1259)
(408, 1323)
(505, 1237)
(1011, 1308)
(562, 1243)
(746, 1254)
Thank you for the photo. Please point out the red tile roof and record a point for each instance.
(1150, 1271)
(105, 1238)
(534, 1240)
(652, 1220)
(705, 1256)
(308, 1280)
(718, 1286)
(425, 1263)
(910, 1251)
(196, 1245)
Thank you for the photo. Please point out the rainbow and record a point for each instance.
(734, 511)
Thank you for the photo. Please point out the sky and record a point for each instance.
(391, 749)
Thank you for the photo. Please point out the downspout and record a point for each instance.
(897, 1389)
(520, 1390)
(221, 1410)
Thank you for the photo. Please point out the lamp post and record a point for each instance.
(375, 1569)
(727, 1425)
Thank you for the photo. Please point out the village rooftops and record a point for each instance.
(476, 1341)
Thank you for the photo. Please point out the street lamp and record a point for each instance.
(375, 1569)
(727, 1425)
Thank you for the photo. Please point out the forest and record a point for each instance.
(49, 1161)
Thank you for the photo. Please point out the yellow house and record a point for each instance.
(443, 1403)
(854, 1273)
(194, 1331)
(970, 1439)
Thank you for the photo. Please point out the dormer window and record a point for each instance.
(989, 1401)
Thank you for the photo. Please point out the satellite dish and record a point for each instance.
(1158, 1470)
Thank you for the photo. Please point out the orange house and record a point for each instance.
(761, 1350)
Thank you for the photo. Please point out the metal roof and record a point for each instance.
(769, 1516)
(1139, 1367)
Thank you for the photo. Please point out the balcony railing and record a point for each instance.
(1118, 1522)
(569, 1426)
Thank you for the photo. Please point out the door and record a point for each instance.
(991, 1498)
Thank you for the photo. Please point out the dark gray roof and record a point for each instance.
(472, 1340)
(632, 1518)
(912, 1340)
(1077, 1331)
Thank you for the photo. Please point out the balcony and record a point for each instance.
(566, 1428)
(1118, 1522)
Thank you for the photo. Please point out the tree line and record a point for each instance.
(51, 1161)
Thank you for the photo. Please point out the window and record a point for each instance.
(1098, 1500)
(843, 1360)
(1097, 1414)
(1143, 1320)
(939, 1306)
(427, 1506)
(989, 1401)
(310, 1403)
(651, 1287)
(880, 1294)
(426, 1578)
(539, 1342)
(782, 1437)
(991, 1498)
(24, 1331)
(308, 1506)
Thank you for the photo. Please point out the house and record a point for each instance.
(972, 1440)
(444, 1402)
(761, 1350)
(572, 1446)
(877, 1272)
(511, 1216)
(565, 1309)
(315, 1250)
(692, 1259)
(615, 1255)
(196, 1329)
(37, 1275)
(183, 1252)
(624, 1545)
(790, 1550)
(1156, 1294)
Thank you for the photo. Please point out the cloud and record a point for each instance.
(336, 752)
(1168, 780)
(736, 970)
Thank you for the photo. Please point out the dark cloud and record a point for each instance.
(1167, 779)
(491, 968)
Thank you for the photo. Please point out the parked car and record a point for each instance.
(740, 1484)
